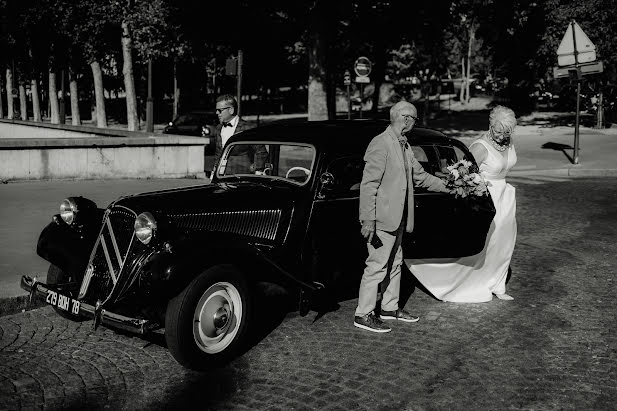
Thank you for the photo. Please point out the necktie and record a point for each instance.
(226, 124)
(403, 142)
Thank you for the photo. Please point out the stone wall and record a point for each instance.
(39, 152)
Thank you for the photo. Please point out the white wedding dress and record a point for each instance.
(476, 278)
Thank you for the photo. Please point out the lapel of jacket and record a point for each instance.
(217, 136)
(395, 145)
(239, 127)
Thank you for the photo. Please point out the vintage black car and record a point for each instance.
(187, 260)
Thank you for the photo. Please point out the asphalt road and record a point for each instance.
(553, 347)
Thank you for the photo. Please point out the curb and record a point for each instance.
(18, 304)
(565, 172)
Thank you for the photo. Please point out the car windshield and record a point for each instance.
(285, 161)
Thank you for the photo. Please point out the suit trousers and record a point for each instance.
(380, 262)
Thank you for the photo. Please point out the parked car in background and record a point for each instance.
(195, 123)
(189, 260)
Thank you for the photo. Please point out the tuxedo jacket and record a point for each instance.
(385, 184)
(218, 141)
(252, 155)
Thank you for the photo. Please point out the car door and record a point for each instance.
(444, 225)
(339, 250)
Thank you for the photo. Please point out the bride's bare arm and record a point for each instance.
(479, 153)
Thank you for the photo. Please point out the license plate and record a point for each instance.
(63, 302)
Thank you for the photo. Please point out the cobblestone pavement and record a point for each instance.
(553, 347)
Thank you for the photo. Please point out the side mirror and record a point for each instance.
(327, 183)
(326, 179)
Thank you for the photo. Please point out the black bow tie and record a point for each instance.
(226, 124)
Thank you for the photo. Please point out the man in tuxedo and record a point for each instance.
(386, 211)
(244, 159)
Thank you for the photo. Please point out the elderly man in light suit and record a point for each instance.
(386, 211)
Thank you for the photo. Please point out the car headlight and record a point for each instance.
(68, 209)
(145, 227)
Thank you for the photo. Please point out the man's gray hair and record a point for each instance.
(502, 118)
(396, 109)
(229, 99)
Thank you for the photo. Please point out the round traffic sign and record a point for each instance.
(362, 66)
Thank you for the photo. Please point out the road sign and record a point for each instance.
(347, 78)
(231, 67)
(363, 67)
(363, 79)
(575, 47)
(581, 70)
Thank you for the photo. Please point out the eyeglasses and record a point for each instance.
(409, 116)
(504, 133)
(220, 110)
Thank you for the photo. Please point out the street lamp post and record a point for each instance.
(149, 101)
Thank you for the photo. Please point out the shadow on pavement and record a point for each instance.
(559, 147)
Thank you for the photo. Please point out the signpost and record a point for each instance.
(576, 57)
(347, 83)
(362, 67)
(234, 67)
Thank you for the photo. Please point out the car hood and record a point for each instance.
(212, 198)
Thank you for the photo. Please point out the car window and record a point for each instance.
(347, 175)
(426, 157)
(291, 162)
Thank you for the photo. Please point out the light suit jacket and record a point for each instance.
(384, 183)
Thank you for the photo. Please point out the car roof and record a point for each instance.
(334, 134)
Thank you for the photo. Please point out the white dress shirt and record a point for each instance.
(227, 132)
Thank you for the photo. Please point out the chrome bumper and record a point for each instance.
(99, 315)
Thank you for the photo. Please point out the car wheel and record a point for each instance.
(206, 324)
(56, 276)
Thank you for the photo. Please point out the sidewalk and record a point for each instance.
(549, 151)
(26, 207)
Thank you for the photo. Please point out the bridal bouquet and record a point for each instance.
(464, 180)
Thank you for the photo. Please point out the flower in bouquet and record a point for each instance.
(464, 180)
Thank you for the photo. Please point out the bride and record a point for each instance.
(476, 278)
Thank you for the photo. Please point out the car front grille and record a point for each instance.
(109, 255)
(259, 224)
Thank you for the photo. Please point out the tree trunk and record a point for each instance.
(1, 105)
(462, 91)
(9, 94)
(176, 91)
(472, 36)
(54, 107)
(381, 59)
(129, 81)
(101, 118)
(75, 116)
(23, 106)
(36, 100)
(318, 45)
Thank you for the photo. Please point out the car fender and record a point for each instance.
(67, 247)
(175, 266)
